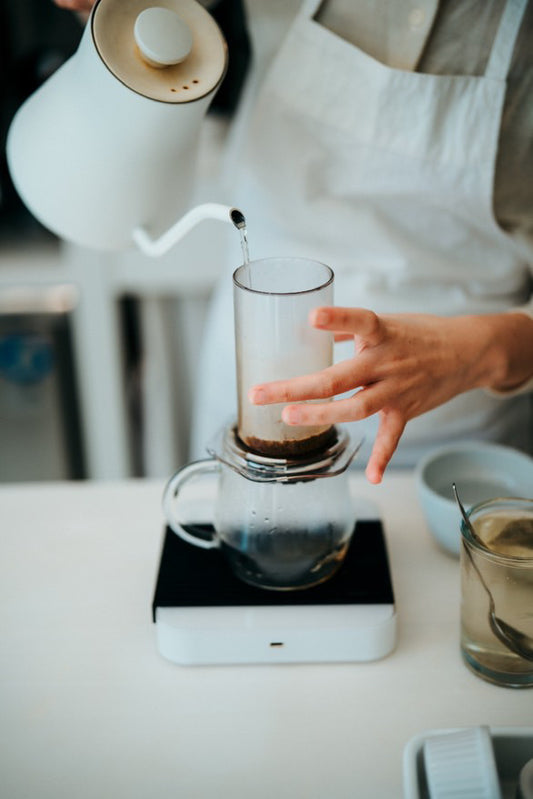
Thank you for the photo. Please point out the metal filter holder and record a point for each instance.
(334, 459)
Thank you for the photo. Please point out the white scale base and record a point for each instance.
(204, 615)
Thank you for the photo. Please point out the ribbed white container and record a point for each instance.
(461, 765)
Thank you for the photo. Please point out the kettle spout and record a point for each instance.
(161, 245)
(237, 217)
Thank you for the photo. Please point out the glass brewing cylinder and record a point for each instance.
(274, 341)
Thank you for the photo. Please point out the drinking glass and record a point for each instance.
(497, 590)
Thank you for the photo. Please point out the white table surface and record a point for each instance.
(88, 708)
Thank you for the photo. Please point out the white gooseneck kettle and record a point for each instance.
(103, 154)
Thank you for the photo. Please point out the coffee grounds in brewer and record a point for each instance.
(292, 447)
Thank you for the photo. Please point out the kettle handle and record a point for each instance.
(171, 492)
(161, 245)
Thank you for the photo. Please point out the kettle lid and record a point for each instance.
(173, 52)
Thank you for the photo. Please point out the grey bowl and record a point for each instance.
(480, 471)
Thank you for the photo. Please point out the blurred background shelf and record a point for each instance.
(130, 329)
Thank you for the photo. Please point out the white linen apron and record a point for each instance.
(387, 176)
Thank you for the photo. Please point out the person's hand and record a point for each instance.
(403, 366)
(82, 6)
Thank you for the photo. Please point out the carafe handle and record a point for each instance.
(171, 492)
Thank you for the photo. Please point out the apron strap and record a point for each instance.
(504, 41)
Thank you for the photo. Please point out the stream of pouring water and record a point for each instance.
(244, 245)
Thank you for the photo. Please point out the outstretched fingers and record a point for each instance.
(391, 427)
(360, 405)
(348, 322)
(363, 325)
(334, 380)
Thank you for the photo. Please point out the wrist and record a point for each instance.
(507, 350)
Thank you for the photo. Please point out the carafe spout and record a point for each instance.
(161, 245)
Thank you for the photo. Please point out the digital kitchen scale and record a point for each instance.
(203, 614)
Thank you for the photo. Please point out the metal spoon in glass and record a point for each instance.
(519, 643)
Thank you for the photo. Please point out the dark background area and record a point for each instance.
(36, 37)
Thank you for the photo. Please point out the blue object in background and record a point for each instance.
(25, 358)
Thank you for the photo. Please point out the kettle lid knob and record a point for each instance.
(179, 38)
(162, 37)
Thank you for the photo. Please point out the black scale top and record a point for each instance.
(193, 577)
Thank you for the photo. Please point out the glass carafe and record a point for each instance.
(281, 524)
